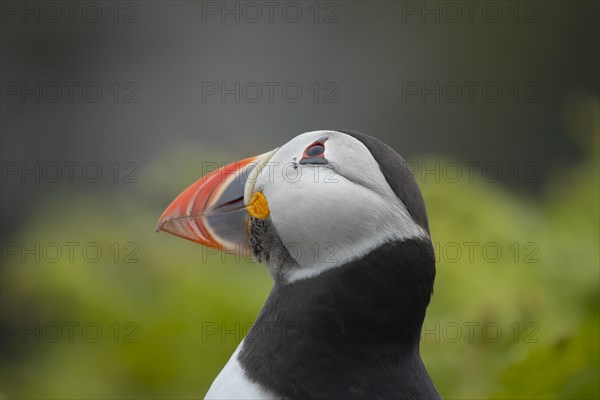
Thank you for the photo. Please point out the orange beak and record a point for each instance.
(212, 211)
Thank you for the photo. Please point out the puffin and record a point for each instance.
(339, 220)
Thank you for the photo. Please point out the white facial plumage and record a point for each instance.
(329, 214)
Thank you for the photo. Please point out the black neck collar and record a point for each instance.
(350, 332)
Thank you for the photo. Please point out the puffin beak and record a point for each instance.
(213, 211)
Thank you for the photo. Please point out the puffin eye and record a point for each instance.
(315, 153)
(315, 150)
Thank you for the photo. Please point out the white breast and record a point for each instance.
(233, 384)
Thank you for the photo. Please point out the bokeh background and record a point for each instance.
(109, 109)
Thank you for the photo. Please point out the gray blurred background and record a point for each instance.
(368, 50)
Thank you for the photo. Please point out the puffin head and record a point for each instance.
(318, 202)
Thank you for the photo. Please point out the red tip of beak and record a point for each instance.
(216, 193)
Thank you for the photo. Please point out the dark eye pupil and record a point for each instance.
(315, 150)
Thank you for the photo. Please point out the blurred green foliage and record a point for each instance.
(524, 325)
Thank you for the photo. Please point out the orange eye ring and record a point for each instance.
(315, 152)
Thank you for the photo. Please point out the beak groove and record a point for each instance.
(212, 211)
